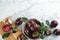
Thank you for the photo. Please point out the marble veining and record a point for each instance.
(40, 9)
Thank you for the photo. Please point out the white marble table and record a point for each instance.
(40, 9)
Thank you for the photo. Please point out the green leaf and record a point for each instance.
(47, 22)
(42, 24)
(46, 28)
(42, 27)
(24, 19)
(5, 35)
(42, 36)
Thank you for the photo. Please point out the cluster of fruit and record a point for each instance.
(35, 29)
